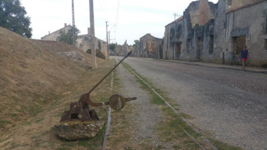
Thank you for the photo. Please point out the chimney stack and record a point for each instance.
(65, 25)
(89, 31)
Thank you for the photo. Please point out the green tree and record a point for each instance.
(68, 37)
(112, 46)
(136, 43)
(12, 17)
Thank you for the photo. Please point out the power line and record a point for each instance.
(116, 20)
(176, 15)
(103, 10)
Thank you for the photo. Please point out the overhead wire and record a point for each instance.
(103, 10)
(116, 20)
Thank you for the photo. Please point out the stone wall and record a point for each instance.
(236, 4)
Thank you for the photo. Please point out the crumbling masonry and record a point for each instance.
(216, 33)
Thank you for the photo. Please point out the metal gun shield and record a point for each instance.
(117, 102)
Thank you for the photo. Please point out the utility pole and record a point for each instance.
(107, 34)
(175, 15)
(109, 37)
(73, 24)
(92, 26)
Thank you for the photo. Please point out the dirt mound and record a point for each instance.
(33, 73)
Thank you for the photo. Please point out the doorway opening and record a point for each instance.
(238, 43)
(211, 44)
(178, 50)
(199, 45)
(188, 43)
(160, 52)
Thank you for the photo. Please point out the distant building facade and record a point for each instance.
(150, 46)
(83, 41)
(186, 38)
(55, 35)
(216, 33)
(122, 50)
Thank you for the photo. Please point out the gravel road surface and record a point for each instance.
(229, 105)
(146, 116)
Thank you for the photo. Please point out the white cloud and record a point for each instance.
(136, 18)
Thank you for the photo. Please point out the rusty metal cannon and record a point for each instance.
(81, 122)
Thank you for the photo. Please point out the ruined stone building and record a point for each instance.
(83, 41)
(150, 46)
(217, 32)
(185, 36)
(54, 36)
(122, 50)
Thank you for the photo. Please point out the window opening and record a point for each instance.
(229, 2)
(199, 43)
(188, 45)
(211, 44)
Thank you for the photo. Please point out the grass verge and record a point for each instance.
(39, 128)
(120, 135)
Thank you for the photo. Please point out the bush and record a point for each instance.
(99, 54)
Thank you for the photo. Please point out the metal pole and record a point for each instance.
(73, 24)
(92, 26)
(174, 15)
(127, 55)
(107, 40)
(109, 37)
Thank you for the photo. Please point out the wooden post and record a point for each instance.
(92, 26)
(107, 40)
(73, 25)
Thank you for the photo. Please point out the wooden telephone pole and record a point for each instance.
(92, 26)
(73, 25)
(107, 40)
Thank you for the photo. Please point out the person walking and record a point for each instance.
(244, 56)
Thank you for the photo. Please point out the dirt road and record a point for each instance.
(229, 105)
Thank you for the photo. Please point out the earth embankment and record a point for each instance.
(33, 74)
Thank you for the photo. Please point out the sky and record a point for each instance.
(128, 19)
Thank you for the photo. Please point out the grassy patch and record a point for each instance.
(39, 120)
(3, 123)
(34, 109)
(224, 146)
(157, 100)
(128, 148)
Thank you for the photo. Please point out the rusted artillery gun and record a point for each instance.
(81, 122)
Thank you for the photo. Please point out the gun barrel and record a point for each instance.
(89, 100)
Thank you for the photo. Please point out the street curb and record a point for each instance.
(185, 63)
